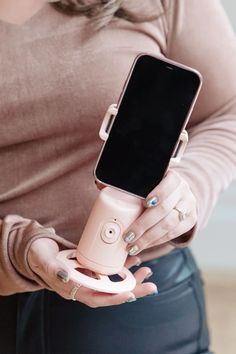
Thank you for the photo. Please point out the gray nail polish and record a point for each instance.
(133, 250)
(63, 276)
(131, 299)
(130, 236)
(152, 202)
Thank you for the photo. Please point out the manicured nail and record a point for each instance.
(139, 262)
(152, 202)
(133, 250)
(149, 275)
(63, 276)
(153, 293)
(131, 299)
(129, 237)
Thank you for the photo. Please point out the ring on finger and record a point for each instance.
(74, 292)
(181, 213)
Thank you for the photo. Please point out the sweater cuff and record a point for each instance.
(18, 233)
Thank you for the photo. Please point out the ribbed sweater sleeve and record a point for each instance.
(17, 234)
(200, 36)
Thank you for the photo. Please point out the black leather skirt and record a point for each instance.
(172, 322)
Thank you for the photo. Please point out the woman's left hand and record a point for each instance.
(170, 211)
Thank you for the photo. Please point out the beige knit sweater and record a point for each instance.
(56, 85)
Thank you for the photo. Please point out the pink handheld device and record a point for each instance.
(102, 249)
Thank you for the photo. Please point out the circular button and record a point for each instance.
(110, 232)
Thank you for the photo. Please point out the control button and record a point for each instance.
(110, 232)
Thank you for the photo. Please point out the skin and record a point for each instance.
(42, 260)
(19, 11)
(161, 223)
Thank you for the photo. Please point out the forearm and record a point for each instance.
(209, 162)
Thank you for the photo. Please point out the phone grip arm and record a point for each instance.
(107, 121)
(180, 148)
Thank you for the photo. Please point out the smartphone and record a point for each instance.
(153, 109)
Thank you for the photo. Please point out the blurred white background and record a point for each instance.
(215, 246)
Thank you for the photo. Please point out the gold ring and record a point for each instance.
(182, 214)
(74, 292)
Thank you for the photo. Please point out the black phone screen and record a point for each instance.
(151, 114)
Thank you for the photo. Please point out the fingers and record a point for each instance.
(141, 290)
(167, 229)
(58, 280)
(174, 215)
(146, 288)
(42, 260)
(181, 229)
(169, 183)
(151, 216)
(132, 261)
(94, 299)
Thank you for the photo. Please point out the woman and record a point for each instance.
(59, 75)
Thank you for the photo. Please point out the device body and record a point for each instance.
(101, 248)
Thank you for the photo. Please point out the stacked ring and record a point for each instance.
(74, 292)
(182, 214)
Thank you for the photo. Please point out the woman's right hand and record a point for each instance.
(42, 260)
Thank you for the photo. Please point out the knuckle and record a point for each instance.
(168, 223)
(139, 225)
(169, 236)
(193, 199)
(116, 302)
(184, 188)
(46, 267)
(91, 304)
(193, 217)
(184, 184)
(174, 176)
(163, 208)
(166, 238)
(51, 268)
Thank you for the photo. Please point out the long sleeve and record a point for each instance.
(200, 36)
(17, 234)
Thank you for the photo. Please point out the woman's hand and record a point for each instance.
(42, 260)
(171, 211)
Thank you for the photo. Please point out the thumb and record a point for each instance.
(42, 259)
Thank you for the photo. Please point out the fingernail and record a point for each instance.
(63, 276)
(139, 262)
(153, 293)
(129, 237)
(149, 275)
(133, 250)
(152, 202)
(131, 299)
